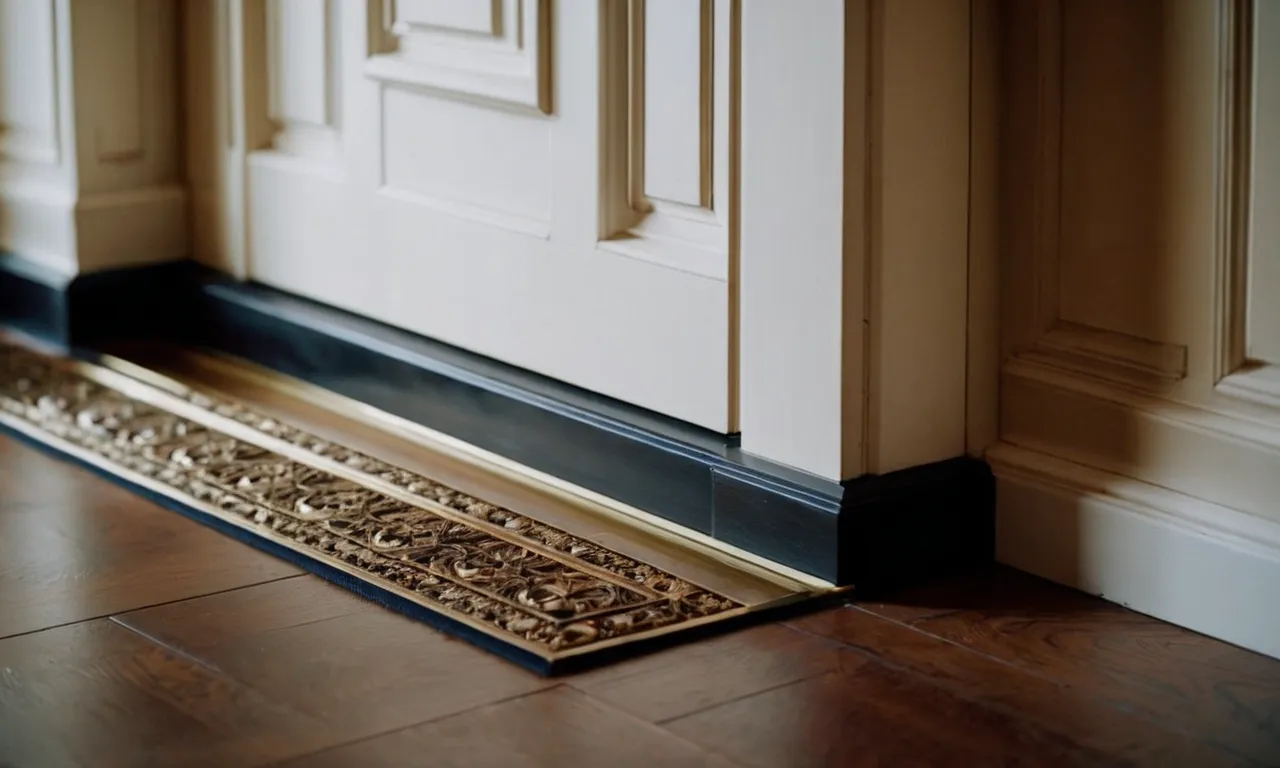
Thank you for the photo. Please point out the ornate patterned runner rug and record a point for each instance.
(532, 592)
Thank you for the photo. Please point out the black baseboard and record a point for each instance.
(875, 532)
(137, 302)
(33, 299)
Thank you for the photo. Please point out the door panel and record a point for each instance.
(515, 177)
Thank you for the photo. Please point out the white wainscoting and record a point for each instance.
(1186, 560)
(90, 171)
(1140, 423)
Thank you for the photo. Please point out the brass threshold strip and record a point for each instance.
(488, 461)
(518, 580)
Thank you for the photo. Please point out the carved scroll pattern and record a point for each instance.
(507, 572)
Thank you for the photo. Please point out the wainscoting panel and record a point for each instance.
(1139, 416)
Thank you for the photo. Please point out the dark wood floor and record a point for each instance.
(131, 636)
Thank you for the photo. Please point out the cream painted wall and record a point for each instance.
(854, 251)
(90, 164)
(1140, 404)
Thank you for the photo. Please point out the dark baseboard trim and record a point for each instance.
(875, 532)
(33, 298)
(84, 310)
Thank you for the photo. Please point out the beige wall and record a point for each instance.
(90, 161)
(1140, 411)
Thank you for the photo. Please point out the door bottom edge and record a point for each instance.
(874, 532)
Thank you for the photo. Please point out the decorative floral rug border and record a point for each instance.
(515, 579)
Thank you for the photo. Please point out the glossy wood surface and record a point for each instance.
(75, 547)
(132, 636)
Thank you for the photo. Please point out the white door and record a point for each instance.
(546, 182)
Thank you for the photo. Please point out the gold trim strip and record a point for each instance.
(302, 446)
(555, 596)
(362, 476)
(454, 448)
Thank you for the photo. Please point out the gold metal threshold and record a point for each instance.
(532, 565)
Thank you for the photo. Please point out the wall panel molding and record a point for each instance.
(1041, 329)
(1235, 130)
(89, 116)
(1229, 458)
(118, 131)
(495, 52)
(1143, 469)
(1247, 263)
(1117, 357)
(28, 82)
(1262, 331)
(126, 94)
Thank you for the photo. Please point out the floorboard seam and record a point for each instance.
(939, 638)
(1100, 700)
(170, 647)
(410, 726)
(101, 616)
(659, 725)
(732, 700)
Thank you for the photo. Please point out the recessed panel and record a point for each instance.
(466, 153)
(297, 51)
(118, 131)
(677, 106)
(480, 50)
(28, 81)
(481, 17)
(1262, 337)
(1114, 129)
(668, 128)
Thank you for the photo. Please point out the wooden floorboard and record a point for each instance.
(1091, 721)
(137, 637)
(351, 664)
(557, 727)
(870, 714)
(1191, 684)
(75, 547)
(694, 677)
(97, 694)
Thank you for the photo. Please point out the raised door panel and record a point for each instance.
(471, 193)
(477, 49)
(669, 133)
(303, 93)
(674, 98)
